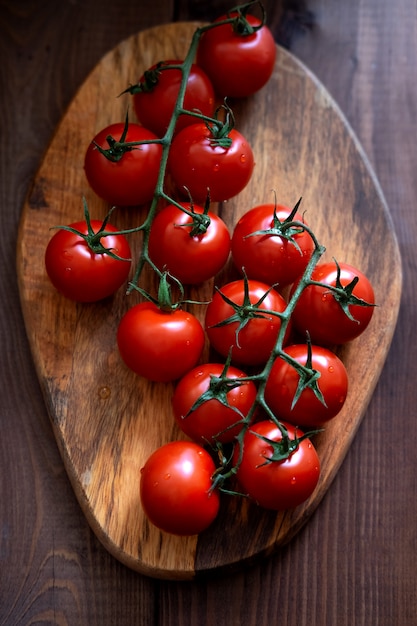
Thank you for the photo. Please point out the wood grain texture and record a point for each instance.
(106, 419)
(354, 563)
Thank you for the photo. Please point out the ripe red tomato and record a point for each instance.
(132, 179)
(270, 256)
(276, 485)
(197, 163)
(219, 400)
(238, 65)
(175, 488)
(322, 314)
(154, 105)
(81, 273)
(308, 411)
(238, 324)
(159, 345)
(187, 252)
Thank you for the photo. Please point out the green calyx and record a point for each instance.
(285, 447)
(117, 149)
(220, 130)
(165, 300)
(246, 311)
(94, 240)
(343, 294)
(308, 376)
(200, 221)
(286, 229)
(150, 79)
(218, 389)
(241, 25)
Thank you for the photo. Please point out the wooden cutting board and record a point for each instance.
(107, 420)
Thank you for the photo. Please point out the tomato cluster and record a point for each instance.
(273, 367)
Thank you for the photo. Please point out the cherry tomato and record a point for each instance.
(238, 65)
(198, 164)
(323, 316)
(270, 256)
(276, 485)
(79, 272)
(309, 410)
(159, 345)
(242, 326)
(178, 244)
(154, 106)
(219, 400)
(130, 180)
(175, 488)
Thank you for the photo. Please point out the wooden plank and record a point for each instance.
(306, 148)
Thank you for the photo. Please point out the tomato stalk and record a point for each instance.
(241, 25)
(286, 446)
(164, 299)
(287, 229)
(150, 78)
(200, 221)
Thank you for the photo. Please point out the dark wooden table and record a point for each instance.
(354, 563)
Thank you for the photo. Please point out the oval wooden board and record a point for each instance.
(105, 419)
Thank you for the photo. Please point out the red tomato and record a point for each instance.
(309, 410)
(270, 256)
(132, 179)
(219, 400)
(276, 485)
(175, 488)
(79, 272)
(197, 163)
(250, 333)
(159, 345)
(238, 65)
(154, 106)
(322, 314)
(192, 256)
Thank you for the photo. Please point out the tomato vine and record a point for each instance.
(220, 125)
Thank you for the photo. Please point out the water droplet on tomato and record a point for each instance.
(331, 369)
(216, 167)
(167, 476)
(293, 480)
(243, 158)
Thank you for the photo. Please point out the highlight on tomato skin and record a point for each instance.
(276, 485)
(176, 488)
